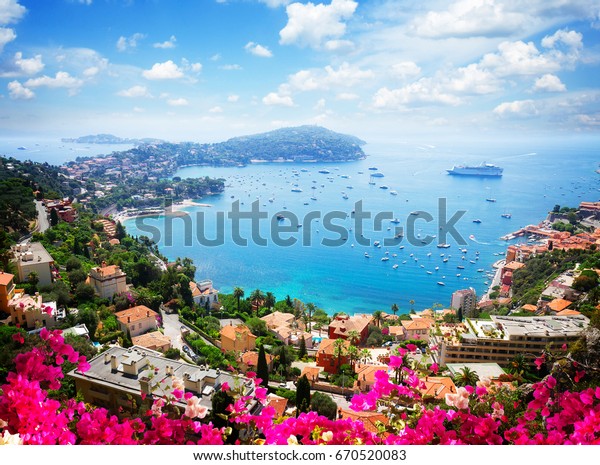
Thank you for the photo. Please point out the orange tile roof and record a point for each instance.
(396, 330)
(366, 373)
(250, 358)
(368, 418)
(231, 332)
(568, 312)
(326, 346)
(529, 308)
(513, 265)
(5, 278)
(139, 312)
(558, 305)
(108, 270)
(417, 323)
(278, 403)
(312, 373)
(356, 323)
(437, 386)
(151, 340)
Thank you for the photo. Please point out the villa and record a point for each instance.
(342, 325)
(237, 339)
(137, 320)
(107, 280)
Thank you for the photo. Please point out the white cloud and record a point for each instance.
(134, 92)
(178, 102)
(216, 109)
(571, 39)
(11, 11)
(517, 108)
(468, 18)
(187, 66)
(275, 98)
(471, 79)
(126, 43)
(258, 50)
(420, 92)
(233, 67)
(166, 70)
(320, 105)
(167, 43)
(309, 24)
(345, 75)
(6, 35)
(18, 92)
(338, 45)
(233, 98)
(346, 96)
(549, 83)
(215, 57)
(91, 71)
(62, 80)
(23, 66)
(405, 69)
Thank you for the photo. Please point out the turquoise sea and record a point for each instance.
(340, 278)
(537, 175)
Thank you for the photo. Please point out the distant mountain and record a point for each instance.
(110, 139)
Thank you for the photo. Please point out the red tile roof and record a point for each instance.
(140, 312)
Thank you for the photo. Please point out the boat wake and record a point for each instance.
(474, 239)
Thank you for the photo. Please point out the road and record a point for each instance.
(172, 328)
(42, 218)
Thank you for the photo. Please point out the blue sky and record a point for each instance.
(206, 70)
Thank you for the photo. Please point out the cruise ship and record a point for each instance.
(485, 169)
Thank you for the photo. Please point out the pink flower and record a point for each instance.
(225, 386)
(411, 347)
(194, 409)
(19, 338)
(539, 362)
(460, 400)
(434, 368)
(579, 375)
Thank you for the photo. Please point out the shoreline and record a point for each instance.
(176, 209)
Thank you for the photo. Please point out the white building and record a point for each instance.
(33, 257)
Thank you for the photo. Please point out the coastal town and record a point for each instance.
(144, 320)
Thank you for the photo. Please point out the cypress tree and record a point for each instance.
(302, 348)
(262, 368)
(283, 358)
(53, 217)
(302, 395)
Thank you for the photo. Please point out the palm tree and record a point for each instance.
(353, 354)
(339, 350)
(377, 317)
(395, 308)
(365, 355)
(269, 300)
(412, 305)
(238, 293)
(466, 377)
(310, 309)
(257, 297)
(353, 337)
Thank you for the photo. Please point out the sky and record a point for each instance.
(383, 70)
